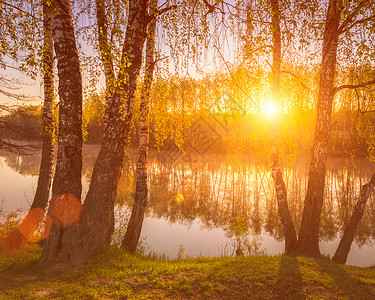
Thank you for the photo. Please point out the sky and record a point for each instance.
(211, 59)
(27, 87)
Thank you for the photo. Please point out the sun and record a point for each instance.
(270, 110)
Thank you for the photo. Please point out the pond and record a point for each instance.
(192, 203)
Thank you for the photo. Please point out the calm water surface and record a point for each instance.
(192, 203)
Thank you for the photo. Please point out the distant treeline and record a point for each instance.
(21, 123)
(351, 133)
(209, 113)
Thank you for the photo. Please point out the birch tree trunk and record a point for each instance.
(308, 239)
(134, 228)
(65, 206)
(89, 237)
(30, 224)
(106, 56)
(277, 174)
(346, 241)
(283, 208)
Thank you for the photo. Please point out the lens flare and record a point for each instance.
(180, 198)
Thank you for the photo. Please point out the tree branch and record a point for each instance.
(234, 81)
(159, 12)
(211, 7)
(104, 47)
(298, 78)
(165, 9)
(354, 86)
(359, 22)
(22, 11)
(351, 16)
(17, 96)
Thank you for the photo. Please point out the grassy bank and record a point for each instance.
(117, 275)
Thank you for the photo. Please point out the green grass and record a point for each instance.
(117, 275)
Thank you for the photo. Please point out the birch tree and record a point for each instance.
(341, 17)
(134, 228)
(37, 210)
(342, 22)
(65, 206)
(281, 192)
(92, 233)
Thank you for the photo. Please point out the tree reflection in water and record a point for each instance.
(217, 193)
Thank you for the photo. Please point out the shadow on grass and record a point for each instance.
(289, 281)
(349, 287)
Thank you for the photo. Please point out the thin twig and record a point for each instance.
(298, 78)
